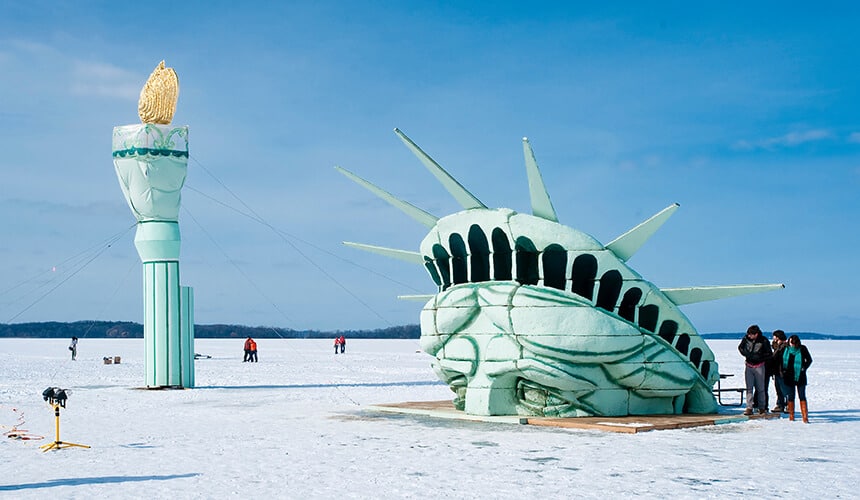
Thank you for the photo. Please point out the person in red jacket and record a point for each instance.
(342, 344)
(336, 345)
(253, 348)
(248, 349)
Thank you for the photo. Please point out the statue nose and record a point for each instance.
(492, 390)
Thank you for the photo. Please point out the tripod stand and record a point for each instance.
(57, 444)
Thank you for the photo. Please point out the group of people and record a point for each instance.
(340, 344)
(785, 360)
(250, 351)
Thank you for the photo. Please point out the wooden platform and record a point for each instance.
(627, 425)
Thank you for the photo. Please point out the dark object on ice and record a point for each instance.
(719, 390)
(55, 395)
(202, 356)
(74, 348)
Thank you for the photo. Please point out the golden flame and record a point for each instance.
(158, 97)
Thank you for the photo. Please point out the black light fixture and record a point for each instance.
(55, 395)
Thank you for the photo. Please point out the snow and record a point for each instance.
(295, 425)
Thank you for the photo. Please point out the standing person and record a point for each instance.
(773, 369)
(74, 348)
(252, 348)
(795, 361)
(336, 345)
(342, 344)
(247, 349)
(756, 350)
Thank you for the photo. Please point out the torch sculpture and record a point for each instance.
(151, 160)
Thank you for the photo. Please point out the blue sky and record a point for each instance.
(746, 116)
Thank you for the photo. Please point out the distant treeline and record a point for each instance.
(126, 329)
(803, 336)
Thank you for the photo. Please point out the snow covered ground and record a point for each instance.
(293, 426)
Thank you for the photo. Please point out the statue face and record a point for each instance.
(529, 345)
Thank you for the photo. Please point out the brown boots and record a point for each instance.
(804, 412)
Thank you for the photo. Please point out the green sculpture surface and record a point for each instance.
(535, 318)
(151, 162)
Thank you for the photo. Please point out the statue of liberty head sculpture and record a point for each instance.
(531, 317)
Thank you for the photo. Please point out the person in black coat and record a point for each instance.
(795, 361)
(773, 369)
(74, 348)
(756, 350)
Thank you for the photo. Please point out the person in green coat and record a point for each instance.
(795, 361)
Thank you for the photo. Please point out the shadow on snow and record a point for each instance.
(321, 386)
(834, 416)
(93, 480)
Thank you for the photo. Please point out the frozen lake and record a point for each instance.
(293, 426)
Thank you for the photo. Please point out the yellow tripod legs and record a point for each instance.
(57, 444)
